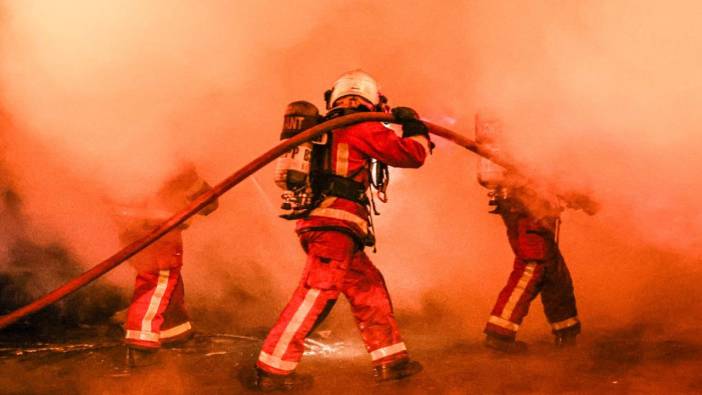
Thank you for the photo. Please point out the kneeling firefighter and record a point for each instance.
(334, 227)
(532, 219)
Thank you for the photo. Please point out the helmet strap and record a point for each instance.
(327, 97)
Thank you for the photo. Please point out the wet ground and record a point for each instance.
(90, 361)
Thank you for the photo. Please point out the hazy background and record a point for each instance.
(104, 99)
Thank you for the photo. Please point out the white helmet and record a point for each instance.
(356, 82)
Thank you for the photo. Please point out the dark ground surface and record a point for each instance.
(90, 361)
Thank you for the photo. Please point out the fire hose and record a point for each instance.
(218, 190)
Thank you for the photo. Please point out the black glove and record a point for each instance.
(579, 201)
(411, 125)
(210, 207)
(404, 114)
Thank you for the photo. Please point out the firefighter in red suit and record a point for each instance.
(333, 235)
(157, 313)
(532, 219)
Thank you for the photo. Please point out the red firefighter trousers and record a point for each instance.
(334, 266)
(157, 313)
(538, 268)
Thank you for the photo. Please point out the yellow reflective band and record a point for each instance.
(503, 323)
(276, 362)
(342, 160)
(342, 215)
(176, 330)
(518, 291)
(386, 351)
(295, 323)
(565, 323)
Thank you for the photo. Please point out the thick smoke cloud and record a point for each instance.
(107, 98)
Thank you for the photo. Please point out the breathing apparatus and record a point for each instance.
(292, 170)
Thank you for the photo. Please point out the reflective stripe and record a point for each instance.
(386, 351)
(176, 330)
(139, 335)
(328, 201)
(276, 362)
(295, 323)
(503, 323)
(518, 291)
(423, 141)
(342, 215)
(156, 299)
(565, 323)
(341, 167)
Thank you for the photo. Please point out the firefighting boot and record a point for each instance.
(141, 357)
(119, 317)
(396, 370)
(565, 340)
(505, 345)
(186, 340)
(269, 382)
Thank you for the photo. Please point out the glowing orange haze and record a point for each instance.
(106, 98)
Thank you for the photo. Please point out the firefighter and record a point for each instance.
(532, 218)
(157, 313)
(334, 232)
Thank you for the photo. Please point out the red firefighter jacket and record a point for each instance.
(352, 148)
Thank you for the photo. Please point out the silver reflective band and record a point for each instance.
(518, 291)
(295, 323)
(386, 351)
(139, 335)
(336, 213)
(503, 323)
(156, 299)
(565, 323)
(276, 362)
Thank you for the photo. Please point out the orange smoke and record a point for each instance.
(108, 97)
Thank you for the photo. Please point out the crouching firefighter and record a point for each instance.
(532, 219)
(334, 227)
